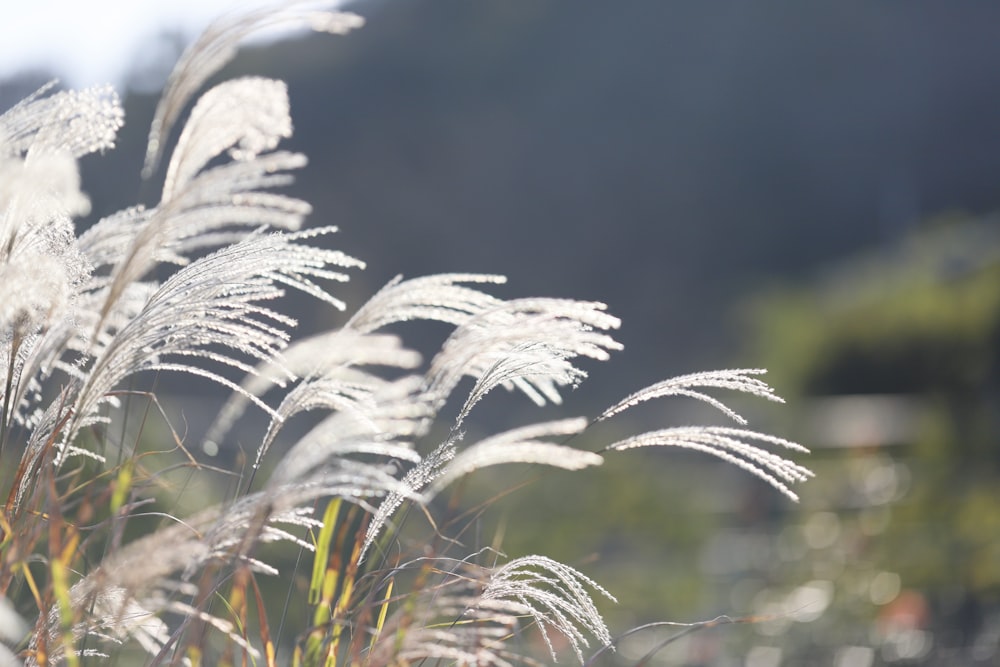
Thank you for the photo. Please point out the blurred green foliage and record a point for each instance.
(916, 326)
(923, 317)
(889, 361)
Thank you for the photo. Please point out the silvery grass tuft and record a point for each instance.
(193, 285)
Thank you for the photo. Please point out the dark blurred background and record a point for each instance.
(808, 187)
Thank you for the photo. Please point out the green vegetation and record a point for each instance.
(898, 350)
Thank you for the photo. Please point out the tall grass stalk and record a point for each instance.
(94, 568)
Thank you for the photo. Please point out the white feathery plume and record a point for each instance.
(123, 596)
(72, 345)
(428, 469)
(740, 379)
(397, 413)
(41, 268)
(217, 45)
(73, 122)
(41, 272)
(219, 203)
(327, 368)
(439, 297)
(480, 645)
(734, 445)
(478, 638)
(106, 242)
(353, 480)
(231, 532)
(218, 207)
(328, 354)
(155, 561)
(40, 190)
(46, 426)
(350, 390)
(525, 360)
(527, 344)
(214, 303)
(201, 207)
(555, 596)
(520, 445)
(172, 555)
(337, 462)
(452, 621)
(245, 116)
(111, 614)
(114, 617)
(36, 192)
